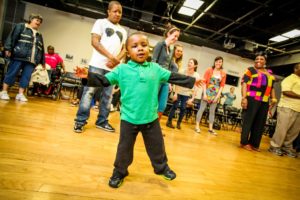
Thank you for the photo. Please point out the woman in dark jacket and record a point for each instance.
(25, 48)
(162, 55)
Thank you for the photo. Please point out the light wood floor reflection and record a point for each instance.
(42, 158)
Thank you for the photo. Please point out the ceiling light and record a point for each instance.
(195, 4)
(186, 11)
(292, 34)
(278, 38)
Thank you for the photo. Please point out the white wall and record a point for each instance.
(70, 34)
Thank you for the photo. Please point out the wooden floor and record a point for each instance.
(42, 158)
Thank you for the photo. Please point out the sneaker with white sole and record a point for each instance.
(197, 130)
(21, 97)
(4, 96)
(212, 132)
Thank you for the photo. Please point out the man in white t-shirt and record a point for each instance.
(108, 41)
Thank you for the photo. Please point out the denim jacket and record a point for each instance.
(161, 57)
(20, 43)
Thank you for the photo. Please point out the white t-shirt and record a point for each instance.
(113, 37)
(187, 91)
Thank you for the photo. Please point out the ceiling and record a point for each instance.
(240, 27)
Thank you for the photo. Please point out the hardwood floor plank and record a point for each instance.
(42, 158)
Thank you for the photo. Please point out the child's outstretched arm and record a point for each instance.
(97, 80)
(184, 81)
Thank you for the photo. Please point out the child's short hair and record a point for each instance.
(132, 34)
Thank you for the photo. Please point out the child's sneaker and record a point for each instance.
(78, 128)
(21, 97)
(116, 180)
(4, 95)
(168, 175)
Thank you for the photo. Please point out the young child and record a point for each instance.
(139, 82)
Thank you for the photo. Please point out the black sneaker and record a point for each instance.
(116, 180)
(289, 153)
(178, 126)
(78, 128)
(106, 127)
(276, 150)
(168, 175)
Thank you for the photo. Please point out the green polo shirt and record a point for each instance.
(139, 85)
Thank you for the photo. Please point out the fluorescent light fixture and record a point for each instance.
(194, 4)
(186, 11)
(278, 38)
(292, 34)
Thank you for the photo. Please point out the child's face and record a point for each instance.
(138, 48)
(115, 13)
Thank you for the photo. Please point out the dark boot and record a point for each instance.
(169, 124)
(178, 126)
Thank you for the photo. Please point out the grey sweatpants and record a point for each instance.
(287, 128)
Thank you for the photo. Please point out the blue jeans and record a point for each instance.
(163, 95)
(14, 69)
(83, 112)
(182, 101)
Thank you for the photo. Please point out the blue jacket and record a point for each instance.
(20, 43)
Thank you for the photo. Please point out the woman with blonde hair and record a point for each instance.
(177, 56)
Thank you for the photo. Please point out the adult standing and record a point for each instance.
(182, 95)
(215, 79)
(230, 97)
(108, 39)
(25, 48)
(177, 56)
(288, 116)
(163, 56)
(257, 88)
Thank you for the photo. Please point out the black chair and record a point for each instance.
(236, 119)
